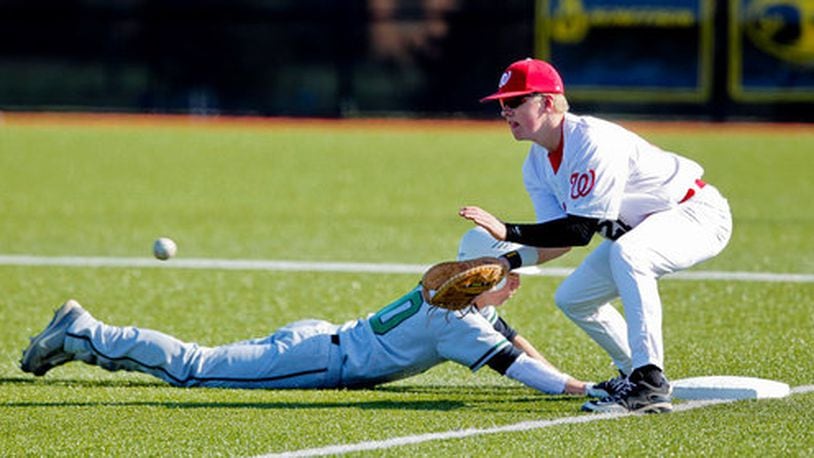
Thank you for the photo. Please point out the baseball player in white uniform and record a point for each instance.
(404, 338)
(585, 175)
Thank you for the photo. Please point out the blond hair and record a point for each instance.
(559, 102)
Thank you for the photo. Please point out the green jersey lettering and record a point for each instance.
(392, 315)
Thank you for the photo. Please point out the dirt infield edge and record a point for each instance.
(255, 122)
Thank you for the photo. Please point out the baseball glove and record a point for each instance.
(457, 283)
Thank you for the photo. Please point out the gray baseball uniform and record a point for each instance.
(404, 338)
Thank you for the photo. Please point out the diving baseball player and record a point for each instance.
(404, 338)
(585, 175)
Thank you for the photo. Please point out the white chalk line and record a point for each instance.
(352, 267)
(522, 426)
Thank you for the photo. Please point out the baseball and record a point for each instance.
(164, 248)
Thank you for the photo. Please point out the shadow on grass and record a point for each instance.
(375, 405)
(488, 398)
(479, 390)
(79, 383)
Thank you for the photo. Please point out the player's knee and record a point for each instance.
(624, 253)
(629, 256)
(565, 299)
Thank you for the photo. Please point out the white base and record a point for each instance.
(728, 387)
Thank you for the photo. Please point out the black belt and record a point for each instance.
(335, 339)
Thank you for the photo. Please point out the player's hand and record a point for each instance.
(485, 220)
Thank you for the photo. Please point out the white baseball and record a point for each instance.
(164, 248)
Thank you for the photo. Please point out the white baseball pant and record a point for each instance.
(628, 268)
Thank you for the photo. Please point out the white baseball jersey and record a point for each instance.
(606, 172)
(409, 336)
(654, 225)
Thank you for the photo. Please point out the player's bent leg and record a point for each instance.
(684, 236)
(706, 223)
(638, 289)
(664, 243)
(584, 295)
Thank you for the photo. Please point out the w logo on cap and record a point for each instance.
(507, 75)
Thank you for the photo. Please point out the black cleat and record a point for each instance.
(643, 396)
(609, 387)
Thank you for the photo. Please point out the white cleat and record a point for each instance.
(46, 350)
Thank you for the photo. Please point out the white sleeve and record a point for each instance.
(537, 375)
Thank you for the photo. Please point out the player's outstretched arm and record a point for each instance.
(534, 374)
(529, 349)
(571, 385)
(569, 231)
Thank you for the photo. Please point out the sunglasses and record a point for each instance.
(515, 102)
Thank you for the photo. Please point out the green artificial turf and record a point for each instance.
(369, 195)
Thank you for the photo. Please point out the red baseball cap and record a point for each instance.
(527, 76)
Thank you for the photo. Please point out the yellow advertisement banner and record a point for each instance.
(629, 50)
(771, 50)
